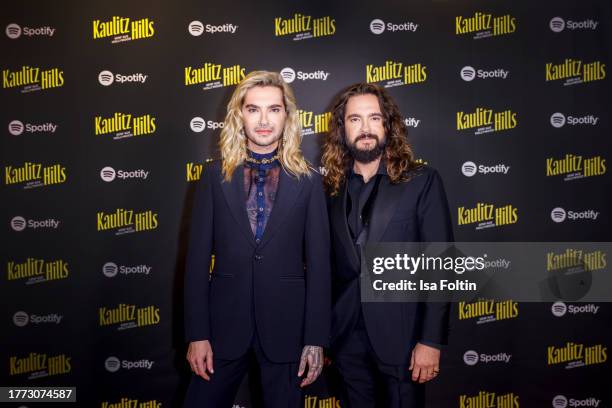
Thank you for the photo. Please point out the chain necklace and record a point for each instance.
(262, 161)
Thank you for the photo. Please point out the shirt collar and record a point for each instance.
(382, 170)
(260, 156)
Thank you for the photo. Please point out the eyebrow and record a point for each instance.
(355, 115)
(250, 105)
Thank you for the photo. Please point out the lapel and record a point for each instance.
(289, 189)
(341, 226)
(236, 201)
(384, 207)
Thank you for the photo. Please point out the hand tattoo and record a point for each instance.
(313, 356)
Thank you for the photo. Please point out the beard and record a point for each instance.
(366, 155)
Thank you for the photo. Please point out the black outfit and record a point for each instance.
(267, 296)
(372, 342)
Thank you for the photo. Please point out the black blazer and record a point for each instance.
(281, 286)
(412, 211)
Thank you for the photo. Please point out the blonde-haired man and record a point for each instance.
(262, 212)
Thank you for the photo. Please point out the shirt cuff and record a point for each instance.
(431, 344)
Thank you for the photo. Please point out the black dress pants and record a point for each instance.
(368, 382)
(279, 382)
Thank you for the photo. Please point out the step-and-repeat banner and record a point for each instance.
(110, 109)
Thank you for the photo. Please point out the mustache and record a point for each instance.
(365, 136)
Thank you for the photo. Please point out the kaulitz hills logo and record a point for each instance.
(122, 29)
(38, 365)
(194, 170)
(313, 401)
(36, 270)
(303, 27)
(32, 175)
(485, 25)
(32, 79)
(124, 125)
(574, 167)
(487, 310)
(485, 120)
(124, 221)
(314, 123)
(574, 72)
(126, 402)
(485, 399)
(487, 215)
(128, 316)
(394, 73)
(572, 257)
(211, 76)
(574, 355)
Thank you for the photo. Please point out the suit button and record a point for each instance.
(258, 257)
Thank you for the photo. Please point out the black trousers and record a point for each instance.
(279, 382)
(368, 382)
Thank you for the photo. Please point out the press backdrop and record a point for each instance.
(109, 110)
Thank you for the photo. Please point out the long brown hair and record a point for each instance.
(398, 153)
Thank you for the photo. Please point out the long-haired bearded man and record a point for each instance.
(378, 193)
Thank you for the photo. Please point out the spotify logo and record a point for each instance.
(107, 174)
(557, 24)
(288, 75)
(106, 78)
(468, 73)
(377, 26)
(558, 214)
(196, 28)
(197, 124)
(470, 357)
(13, 31)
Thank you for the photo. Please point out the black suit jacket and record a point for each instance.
(281, 286)
(412, 211)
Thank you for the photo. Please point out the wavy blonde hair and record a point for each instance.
(233, 142)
